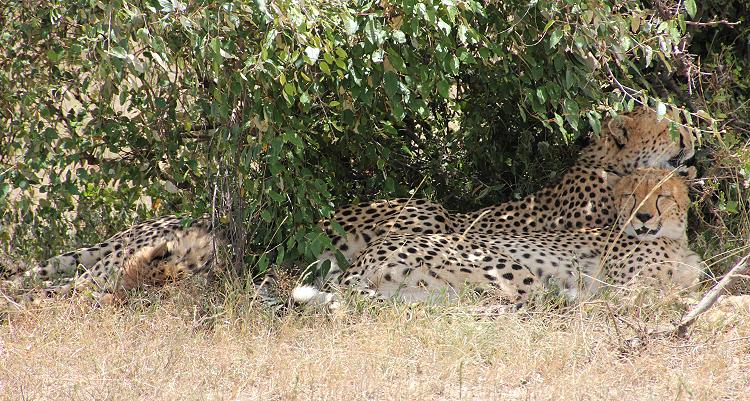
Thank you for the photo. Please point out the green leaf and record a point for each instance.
(571, 107)
(226, 54)
(690, 8)
(398, 109)
(290, 89)
(396, 61)
(548, 25)
(280, 256)
(350, 25)
(263, 263)
(674, 133)
(325, 67)
(595, 123)
(462, 31)
(304, 98)
(274, 166)
(54, 56)
(389, 186)
(559, 120)
(215, 45)
(279, 198)
(444, 26)
(373, 32)
(555, 37)
(398, 37)
(119, 52)
(266, 215)
(443, 88)
(338, 229)
(391, 84)
(540, 95)
(294, 139)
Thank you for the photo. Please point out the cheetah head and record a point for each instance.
(653, 203)
(637, 140)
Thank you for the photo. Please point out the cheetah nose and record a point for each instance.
(643, 217)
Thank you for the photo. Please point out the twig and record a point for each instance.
(711, 296)
(712, 23)
(481, 215)
(11, 301)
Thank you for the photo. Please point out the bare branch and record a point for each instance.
(712, 23)
(711, 296)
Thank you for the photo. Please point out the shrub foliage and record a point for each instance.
(269, 113)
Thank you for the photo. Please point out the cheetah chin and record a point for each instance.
(647, 231)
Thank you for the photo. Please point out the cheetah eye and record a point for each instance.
(667, 198)
(663, 197)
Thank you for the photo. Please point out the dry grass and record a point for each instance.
(226, 346)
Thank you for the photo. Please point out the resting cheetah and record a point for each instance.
(146, 254)
(650, 241)
(582, 198)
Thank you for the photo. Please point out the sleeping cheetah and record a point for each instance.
(649, 241)
(582, 198)
(149, 253)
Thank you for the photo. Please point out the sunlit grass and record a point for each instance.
(221, 343)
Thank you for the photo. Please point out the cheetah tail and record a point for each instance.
(309, 295)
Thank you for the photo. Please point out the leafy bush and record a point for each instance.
(271, 112)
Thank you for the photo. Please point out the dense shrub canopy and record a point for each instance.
(271, 112)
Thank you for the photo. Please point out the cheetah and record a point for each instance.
(581, 199)
(147, 254)
(583, 196)
(648, 240)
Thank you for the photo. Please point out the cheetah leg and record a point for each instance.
(103, 276)
(266, 289)
(311, 295)
(354, 245)
(67, 264)
(162, 228)
(106, 275)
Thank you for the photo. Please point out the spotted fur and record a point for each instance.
(147, 254)
(649, 241)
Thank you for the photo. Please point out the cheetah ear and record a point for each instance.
(617, 129)
(689, 173)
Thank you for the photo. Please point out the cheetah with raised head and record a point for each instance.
(649, 240)
(582, 198)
